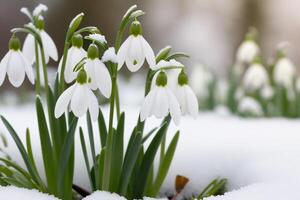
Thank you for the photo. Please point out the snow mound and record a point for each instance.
(263, 191)
(12, 192)
(104, 195)
(149, 198)
(251, 106)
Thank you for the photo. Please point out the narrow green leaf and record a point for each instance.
(165, 165)
(29, 149)
(102, 128)
(101, 166)
(140, 182)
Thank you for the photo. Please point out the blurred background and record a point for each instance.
(208, 30)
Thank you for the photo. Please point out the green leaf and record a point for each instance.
(47, 150)
(66, 155)
(74, 24)
(24, 155)
(29, 149)
(148, 159)
(117, 159)
(178, 55)
(101, 166)
(165, 165)
(102, 128)
(163, 53)
(129, 161)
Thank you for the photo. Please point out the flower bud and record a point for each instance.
(39, 23)
(182, 78)
(77, 41)
(93, 52)
(136, 28)
(161, 79)
(81, 77)
(14, 43)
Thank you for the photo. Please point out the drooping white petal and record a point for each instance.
(284, 72)
(135, 57)
(103, 78)
(181, 97)
(148, 52)
(161, 108)
(3, 66)
(90, 70)
(26, 12)
(39, 9)
(63, 101)
(192, 102)
(121, 55)
(49, 45)
(29, 48)
(174, 107)
(93, 105)
(255, 77)
(147, 106)
(79, 101)
(27, 67)
(15, 69)
(247, 52)
(75, 55)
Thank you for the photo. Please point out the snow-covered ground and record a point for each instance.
(15, 193)
(245, 151)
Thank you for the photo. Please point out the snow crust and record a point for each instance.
(245, 151)
(104, 195)
(263, 191)
(15, 193)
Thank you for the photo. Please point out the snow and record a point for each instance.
(245, 151)
(263, 191)
(104, 195)
(11, 192)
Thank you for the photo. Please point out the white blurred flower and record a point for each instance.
(201, 77)
(247, 51)
(160, 101)
(74, 55)
(255, 77)
(267, 92)
(48, 45)
(284, 72)
(97, 71)
(15, 65)
(135, 50)
(249, 105)
(79, 97)
(186, 97)
(110, 55)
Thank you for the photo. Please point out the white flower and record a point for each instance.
(201, 77)
(97, 37)
(97, 71)
(247, 51)
(15, 65)
(110, 55)
(255, 77)
(160, 101)
(186, 97)
(284, 72)
(39, 9)
(48, 44)
(249, 105)
(165, 64)
(74, 55)
(135, 50)
(267, 92)
(79, 97)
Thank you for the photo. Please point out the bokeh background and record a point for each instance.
(208, 30)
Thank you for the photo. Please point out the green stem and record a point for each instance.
(63, 66)
(109, 141)
(37, 66)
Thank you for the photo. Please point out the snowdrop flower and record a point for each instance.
(255, 77)
(39, 9)
(15, 65)
(247, 51)
(74, 55)
(250, 106)
(135, 50)
(48, 44)
(186, 97)
(110, 55)
(97, 71)
(284, 72)
(160, 101)
(79, 97)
